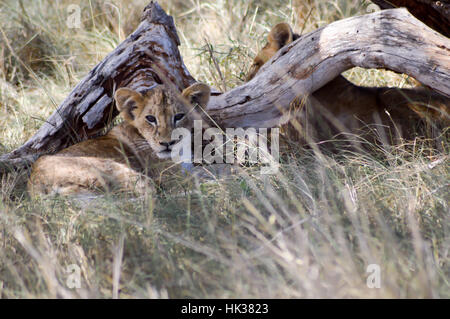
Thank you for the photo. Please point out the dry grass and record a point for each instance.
(309, 231)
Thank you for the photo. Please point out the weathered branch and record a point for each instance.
(149, 53)
(435, 14)
(390, 39)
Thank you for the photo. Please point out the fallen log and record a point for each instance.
(390, 39)
(435, 14)
(149, 55)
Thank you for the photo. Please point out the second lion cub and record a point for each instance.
(118, 159)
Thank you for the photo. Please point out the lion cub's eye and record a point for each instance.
(151, 119)
(178, 117)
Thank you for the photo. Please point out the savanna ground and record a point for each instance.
(309, 231)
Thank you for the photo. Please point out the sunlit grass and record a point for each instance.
(311, 230)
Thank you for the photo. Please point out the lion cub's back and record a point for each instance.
(85, 162)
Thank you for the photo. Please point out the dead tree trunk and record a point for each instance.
(435, 14)
(390, 39)
(149, 55)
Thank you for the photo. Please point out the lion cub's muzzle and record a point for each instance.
(165, 149)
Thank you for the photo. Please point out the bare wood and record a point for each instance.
(391, 39)
(435, 14)
(149, 54)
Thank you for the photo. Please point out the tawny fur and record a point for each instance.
(342, 107)
(128, 154)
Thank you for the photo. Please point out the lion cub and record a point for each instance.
(124, 157)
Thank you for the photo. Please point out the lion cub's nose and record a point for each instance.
(167, 144)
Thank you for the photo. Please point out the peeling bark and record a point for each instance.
(149, 55)
(391, 39)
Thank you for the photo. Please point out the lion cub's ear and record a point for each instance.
(280, 35)
(128, 102)
(197, 93)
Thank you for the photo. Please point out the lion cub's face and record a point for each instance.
(280, 35)
(159, 111)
